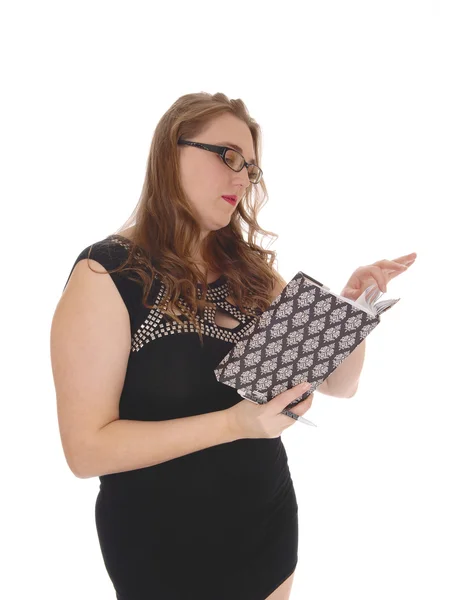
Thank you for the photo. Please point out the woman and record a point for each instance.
(196, 500)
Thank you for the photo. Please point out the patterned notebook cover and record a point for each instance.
(304, 335)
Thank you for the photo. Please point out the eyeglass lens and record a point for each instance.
(236, 162)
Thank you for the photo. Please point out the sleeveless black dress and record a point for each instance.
(217, 524)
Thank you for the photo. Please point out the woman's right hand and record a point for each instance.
(250, 420)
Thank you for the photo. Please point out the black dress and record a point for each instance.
(217, 524)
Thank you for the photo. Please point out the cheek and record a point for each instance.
(208, 184)
(204, 181)
(191, 178)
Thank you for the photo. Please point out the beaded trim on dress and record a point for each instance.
(157, 324)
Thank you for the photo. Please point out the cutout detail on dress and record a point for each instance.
(223, 319)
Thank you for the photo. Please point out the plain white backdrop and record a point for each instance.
(356, 101)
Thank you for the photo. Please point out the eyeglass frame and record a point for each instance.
(221, 151)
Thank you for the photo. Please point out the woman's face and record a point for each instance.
(206, 178)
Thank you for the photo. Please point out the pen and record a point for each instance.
(288, 413)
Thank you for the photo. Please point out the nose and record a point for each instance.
(242, 177)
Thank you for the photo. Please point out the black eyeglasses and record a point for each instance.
(232, 158)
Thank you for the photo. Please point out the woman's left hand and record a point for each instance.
(379, 273)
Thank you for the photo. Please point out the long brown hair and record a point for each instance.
(166, 232)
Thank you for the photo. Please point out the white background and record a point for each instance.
(357, 105)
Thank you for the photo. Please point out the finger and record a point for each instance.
(407, 258)
(350, 293)
(284, 399)
(391, 266)
(396, 265)
(375, 272)
(393, 273)
(395, 270)
(303, 406)
(379, 276)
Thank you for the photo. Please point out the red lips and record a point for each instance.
(233, 198)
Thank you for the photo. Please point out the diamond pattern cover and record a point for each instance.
(304, 335)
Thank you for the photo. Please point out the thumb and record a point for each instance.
(350, 293)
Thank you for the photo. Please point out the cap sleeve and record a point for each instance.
(111, 254)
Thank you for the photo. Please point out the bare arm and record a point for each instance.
(125, 445)
(90, 348)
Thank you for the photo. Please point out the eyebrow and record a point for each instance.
(236, 147)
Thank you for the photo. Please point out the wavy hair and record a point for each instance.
(166, 232)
